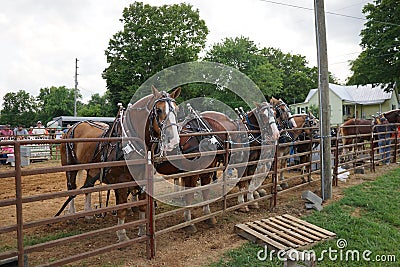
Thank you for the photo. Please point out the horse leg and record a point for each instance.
(305, 169)
(189, 182)
(253, 185)
(121, 196)
(206, 179)
(282, 184)
(142, 215)
(88, 196)
(71, 185)
(242, 185)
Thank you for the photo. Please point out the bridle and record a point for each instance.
(284, 123)
(309, 122)
(270, 116)
(265, 125)
(155, 115)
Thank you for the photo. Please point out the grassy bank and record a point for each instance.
(366, 221)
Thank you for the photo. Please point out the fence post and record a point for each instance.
(226, 159)
(151, 243)
(372, 149)
(310, 155)
(18, 195)
(395, 144)
(336, 166)
(275, 177)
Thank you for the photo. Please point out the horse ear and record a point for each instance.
(175, 93)
(257, 104)
(156, 93)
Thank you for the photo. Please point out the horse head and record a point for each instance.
(163, 119)
(265, 116)
(311, 123)
(379, 119)
(282, 114)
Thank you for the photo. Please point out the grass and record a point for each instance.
(33, 239)
(367, 218)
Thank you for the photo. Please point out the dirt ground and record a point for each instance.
(173, 249)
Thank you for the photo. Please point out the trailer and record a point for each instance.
(63, 121)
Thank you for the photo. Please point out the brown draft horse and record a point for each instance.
(207, 121)
(303, 122)
(282, 114)
(352, 127)
(393, 116)
(258, 119)
(152, 117)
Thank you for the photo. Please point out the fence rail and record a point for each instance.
(361, 155)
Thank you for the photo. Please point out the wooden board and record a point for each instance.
(283, 233)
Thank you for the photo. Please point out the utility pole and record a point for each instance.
(76, 84)
(323, 88)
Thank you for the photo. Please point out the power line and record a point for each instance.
(327, 12)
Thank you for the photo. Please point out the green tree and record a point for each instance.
(98, 106)
(18, 108)
(153, 38)
(298, 79)
(242, 54)
(379, 62)
(56, 101)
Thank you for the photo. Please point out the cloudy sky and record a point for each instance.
(40, 39)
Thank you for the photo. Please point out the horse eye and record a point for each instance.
(159, 111)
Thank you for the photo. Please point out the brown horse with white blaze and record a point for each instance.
(261, 118)
(152, 117)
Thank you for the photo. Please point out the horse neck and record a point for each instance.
(251, 121)
(300, 122)
(139, 114)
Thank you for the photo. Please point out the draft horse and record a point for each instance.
(151, 118)
(302, 130)
(354, 131)
(393, 116)
(261, 118)
(204, 122)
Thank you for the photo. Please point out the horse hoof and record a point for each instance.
(284, 185)
(307, 180)
(211, 222)
(262, 192)
(123, 239)
(244, 209)
(190, 229)
(278, 188)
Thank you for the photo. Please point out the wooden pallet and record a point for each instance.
(282, 233)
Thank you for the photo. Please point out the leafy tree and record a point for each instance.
(314, 109)
(298, 79)
(242, 54)
(56, 101)
(98, 106)
(379, 62)
(153, 38)
(18, 108)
